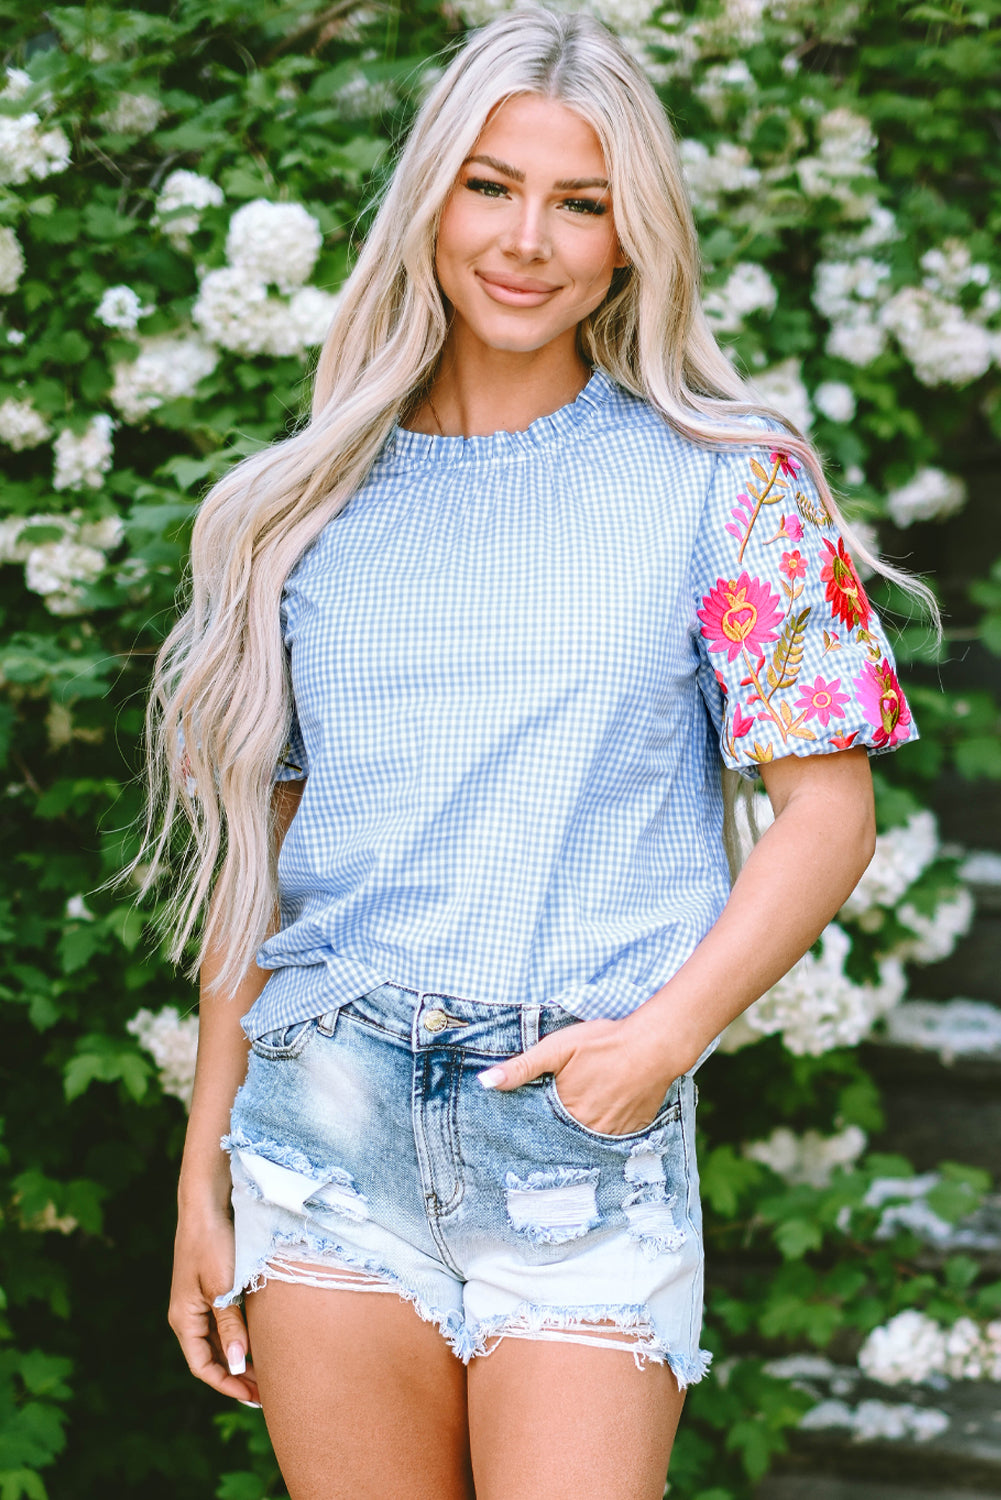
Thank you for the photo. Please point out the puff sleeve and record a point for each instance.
(793, 658)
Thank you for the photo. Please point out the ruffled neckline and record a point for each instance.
(406, 447)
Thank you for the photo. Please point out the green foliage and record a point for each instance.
(280, 101)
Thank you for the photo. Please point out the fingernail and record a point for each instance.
(255, 1404)
(491, 1077)
(236, 1359)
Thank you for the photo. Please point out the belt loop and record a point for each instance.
(529, 1026)
(328, 1021)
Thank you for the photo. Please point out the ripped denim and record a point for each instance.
(366, 1154)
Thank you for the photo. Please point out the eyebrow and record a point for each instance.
(566, 185)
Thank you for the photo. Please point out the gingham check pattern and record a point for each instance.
(511, 715)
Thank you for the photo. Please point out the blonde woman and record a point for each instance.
(537, 567)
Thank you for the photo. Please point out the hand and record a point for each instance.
(213, 1340)
(605, 1074)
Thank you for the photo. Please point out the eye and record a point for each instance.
(585, 206)
(486, 186)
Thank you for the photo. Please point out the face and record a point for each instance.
(527, 242)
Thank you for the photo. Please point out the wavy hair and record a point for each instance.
(220, 707)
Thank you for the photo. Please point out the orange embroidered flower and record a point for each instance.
(740, 615)
(845, 593)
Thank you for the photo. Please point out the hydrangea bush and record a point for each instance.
(179, 194)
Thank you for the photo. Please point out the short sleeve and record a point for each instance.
(794, 659)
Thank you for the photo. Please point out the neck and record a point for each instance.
(478, 390)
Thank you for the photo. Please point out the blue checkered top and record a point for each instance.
(517, 662)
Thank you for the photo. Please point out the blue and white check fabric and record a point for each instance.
(516, 661)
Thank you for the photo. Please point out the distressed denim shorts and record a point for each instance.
(365, 1154)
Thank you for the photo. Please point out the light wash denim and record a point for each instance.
(362, 1142)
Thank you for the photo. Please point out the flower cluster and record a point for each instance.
(955, 1028)
(845, 146)
(274, 242)
(172, 1041)
(180, 204)
(748, 289)
(21, 426)
(83, 460)
(11, 261)
(902, 854)
(29, 149)
(60, 567)
(835, 400)
(725, 170)
(809, 1158)
(121, 307)
(782, 388)
(931, 495)
(132, 114)
(877, 1421)
(167, 367)
(913, 1348)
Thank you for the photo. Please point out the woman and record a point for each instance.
(537, 561)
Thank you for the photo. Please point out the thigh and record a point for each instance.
(362, 1398)
(556, 1420)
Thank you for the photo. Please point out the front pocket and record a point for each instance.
(285, 1041)
(669, 1112)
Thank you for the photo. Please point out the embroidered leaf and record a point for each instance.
(786, 713)
(755, 494)
(802, 733)
(811, 510)
(759, 470)
(787, 658)
(831, 642)
(761, 753)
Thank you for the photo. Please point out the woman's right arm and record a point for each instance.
(214, 1340)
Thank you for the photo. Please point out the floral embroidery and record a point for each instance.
(739, 616)
(763, 623)
(793, 565)
(883, 703)
(845, 593)
(822, 700)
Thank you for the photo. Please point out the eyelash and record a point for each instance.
(584, 206)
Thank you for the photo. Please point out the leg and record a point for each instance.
(555, 1420)
(363, 1399)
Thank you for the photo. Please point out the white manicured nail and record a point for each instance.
(491, 1077)
(236, 1359)
(255, 1404)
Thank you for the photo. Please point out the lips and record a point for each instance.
(515, 291)
(515, 283)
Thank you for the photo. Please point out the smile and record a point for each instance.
(516, 292)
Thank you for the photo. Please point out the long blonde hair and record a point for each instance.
(220, 684)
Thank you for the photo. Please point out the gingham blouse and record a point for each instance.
(516, 662)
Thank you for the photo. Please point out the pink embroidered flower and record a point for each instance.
(792, 527)
(787, 466)
(741, 726)
(722, 682)
(822, 700)
(740, 615)
(883, 704)
(845, 593)
(793, 564)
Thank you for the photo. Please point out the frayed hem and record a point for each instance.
(580, 1325)
(330, 1254)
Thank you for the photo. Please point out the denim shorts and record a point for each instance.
(365, 1154)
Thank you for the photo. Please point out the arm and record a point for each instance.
(613, 1075)
(214, 1340)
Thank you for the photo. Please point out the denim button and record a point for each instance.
(435, 1020)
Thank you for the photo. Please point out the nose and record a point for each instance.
(527, 235)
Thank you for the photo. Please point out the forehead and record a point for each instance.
(542, 136)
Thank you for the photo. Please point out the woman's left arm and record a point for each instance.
(613, 1075)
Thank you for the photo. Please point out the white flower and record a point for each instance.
(60, 570)
(274, 242)
(748, 289)
(857, 340)
(168, 366)
(937, 935)
(11, 262)
(15, 336)
(900, 857)
(815, 1006)
(840, 285)
(878, 1421)
(120, 307)
(172, 1042)
(77, 910)
(910, 1347)
(782, 387)
(942, 344)
(27, 150)
(184, 190)
(722, 82)
(726, 169)
(913, 1213)
(105, 532)
(955, 1028)
(361, 98)
(311, 311)
(931, 495)
(951, 268)
(808, 1158)
(132, 114)
(21, 426)
(236, 312)
(17, 85)
(835, 400)
(82, 461)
